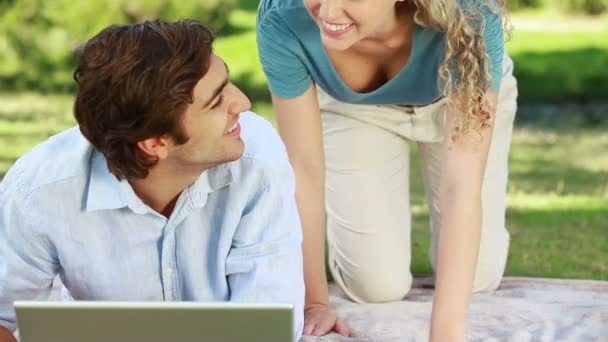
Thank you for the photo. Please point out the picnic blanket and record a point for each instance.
(520, 310)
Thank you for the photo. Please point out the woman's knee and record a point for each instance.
(377, 287)
(492, 261)
(488, 278)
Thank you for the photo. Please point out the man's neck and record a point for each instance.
(161, 188)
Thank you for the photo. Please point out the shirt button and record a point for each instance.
(170, 271)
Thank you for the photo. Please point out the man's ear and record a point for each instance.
(157, 147)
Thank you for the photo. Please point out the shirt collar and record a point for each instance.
(104, 191)
(209, 181)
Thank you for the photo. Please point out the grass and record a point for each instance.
(560, 66)
(558, 192)
(558, 202)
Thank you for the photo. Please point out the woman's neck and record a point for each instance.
(395, 34)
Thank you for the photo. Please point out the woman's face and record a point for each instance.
(345, 22)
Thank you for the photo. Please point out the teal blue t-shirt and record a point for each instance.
(293, 57)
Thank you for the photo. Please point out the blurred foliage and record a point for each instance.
(591, 7)
(519, 4)
(38, 37)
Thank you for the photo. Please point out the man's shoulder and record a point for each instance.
(262, 141)
(265, 154)
(63, 156)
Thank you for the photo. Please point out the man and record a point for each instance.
(168, 190)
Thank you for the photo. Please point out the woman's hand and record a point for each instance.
(320, 320)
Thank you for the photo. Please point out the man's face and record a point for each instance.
(211, 122)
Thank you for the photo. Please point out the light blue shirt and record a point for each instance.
(234, 234)
(293, 56)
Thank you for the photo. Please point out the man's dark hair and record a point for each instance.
(134, 82)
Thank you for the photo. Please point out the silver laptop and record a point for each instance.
(82, 321)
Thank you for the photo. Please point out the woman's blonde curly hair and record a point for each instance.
(465, 54)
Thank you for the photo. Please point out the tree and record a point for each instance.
(38, 37)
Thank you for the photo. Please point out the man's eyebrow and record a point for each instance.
(219, 89)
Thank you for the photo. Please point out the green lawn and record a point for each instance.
(558, 204)
(561, 66)
(558, 192)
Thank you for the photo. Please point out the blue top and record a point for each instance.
(234, 234)
(293, 57)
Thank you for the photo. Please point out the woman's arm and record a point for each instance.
(460, 205)
(299, 121)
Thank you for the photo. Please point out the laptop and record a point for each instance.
(82, 321)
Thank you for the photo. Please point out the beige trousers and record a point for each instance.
(367, 191)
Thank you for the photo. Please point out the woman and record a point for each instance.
(352, 82)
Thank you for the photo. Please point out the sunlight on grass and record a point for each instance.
(558, 202)
(559, 161)
(21, 128)
(27, 119)
(572, 149)
(548, 20)
(551, 236)
(528, 40)
(240, 53)
(240, 50)
(34, 106)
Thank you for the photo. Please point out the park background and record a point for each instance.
(558, 189)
